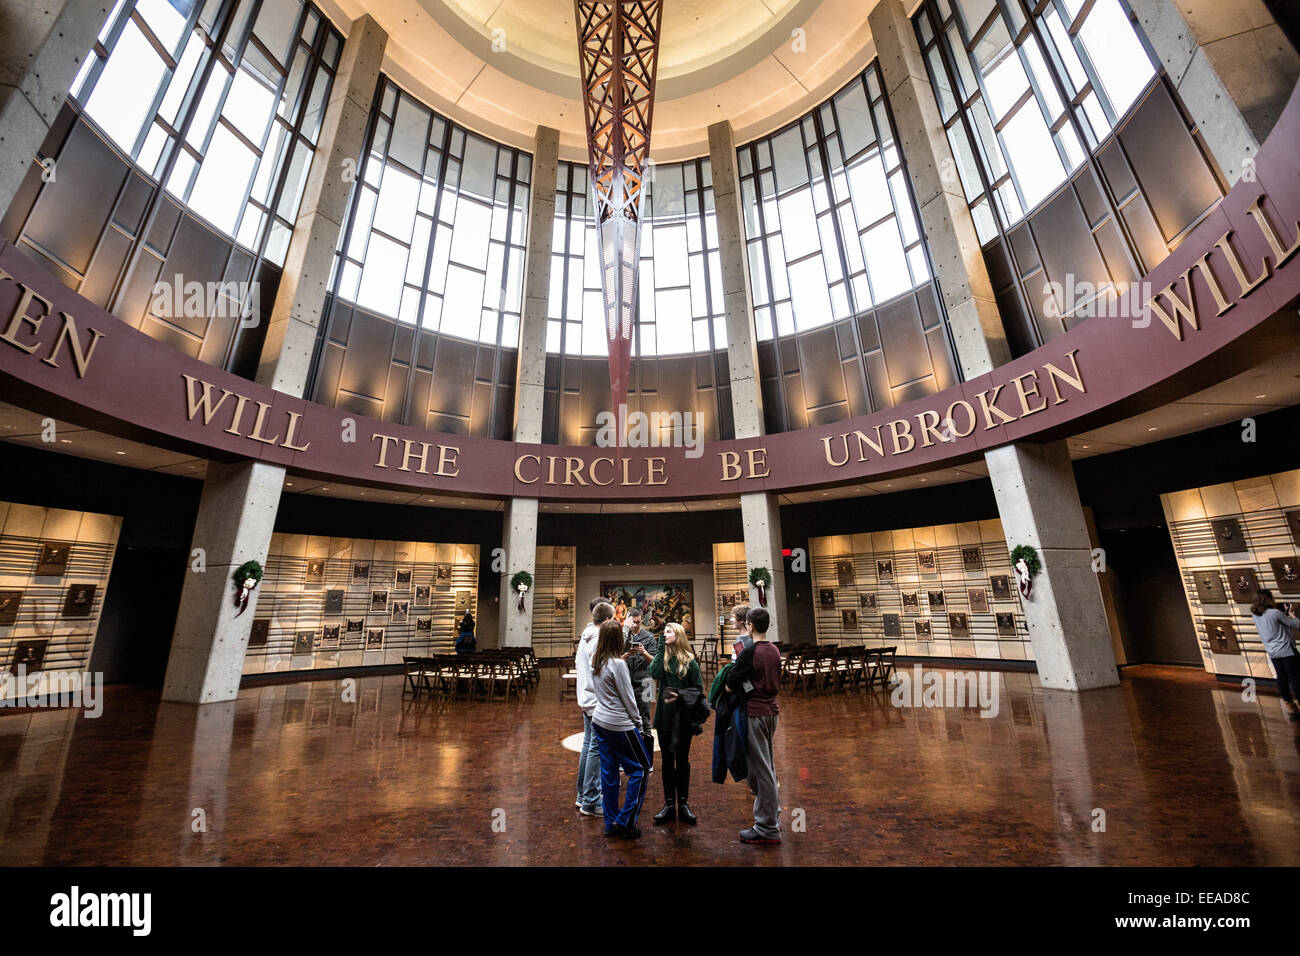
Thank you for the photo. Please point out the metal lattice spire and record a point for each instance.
(618, 48)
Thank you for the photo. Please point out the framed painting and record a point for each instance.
(661, 602)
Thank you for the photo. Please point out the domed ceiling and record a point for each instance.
(502, 67)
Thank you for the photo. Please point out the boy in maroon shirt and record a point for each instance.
(758, 671)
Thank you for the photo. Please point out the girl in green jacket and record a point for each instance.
(674, 668)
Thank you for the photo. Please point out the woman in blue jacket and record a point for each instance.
(1276, 631)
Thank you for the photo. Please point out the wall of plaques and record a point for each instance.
(347, 602)
(54, 567)
(554, 602)
(730, 586)
(943, 591)
(1229, 541)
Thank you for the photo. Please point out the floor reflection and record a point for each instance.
(1184, 771)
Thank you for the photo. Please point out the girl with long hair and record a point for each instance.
(616, 723)
(675, 668)
(1276, 631)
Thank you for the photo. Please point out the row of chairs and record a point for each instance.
(831, 667)
(511, 671)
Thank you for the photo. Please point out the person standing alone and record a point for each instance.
(676, 669)
(641, 647)
(619, 735)
(1277, 633)
(588, 802)
(760, 666)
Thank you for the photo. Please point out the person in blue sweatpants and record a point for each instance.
(616, 723)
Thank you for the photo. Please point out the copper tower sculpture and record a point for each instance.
(618, 49)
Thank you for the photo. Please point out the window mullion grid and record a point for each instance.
(349, 222)
(1094, 80)
(962, 116)
(998, 124)
(314, 58)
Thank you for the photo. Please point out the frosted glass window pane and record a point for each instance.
(673, 321)
(178, 183)
(207, 108)
(469, 239)
(798, 225)
(670, 257)
(248, 106)
(855, 119)
(163, 19)
(1064, 47)
(870, 191)
(395, 211)
(180, 80)
(432, 318)
(808, 292)
(125, 90)
(410, 127)
(462, 302)
(348, 282)
(985, 227)
(1116, 53)
(480, 160)
(1004, 77)
(275, 23)
(381, 280)
(885, 261)
(219, 191)
(1038, 167)
(514, 279)
(787, 152)
(361, 225)
(920, 270)
(593, 326)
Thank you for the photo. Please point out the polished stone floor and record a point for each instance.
(1185, 770)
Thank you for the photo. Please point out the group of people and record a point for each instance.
(621, 668)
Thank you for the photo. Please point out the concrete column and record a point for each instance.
(42, 49)
(959, 267)
(515, 628)
(1038, 502)
(760, 512)
(296, 313)
(1233, 67)
(520, 543)
(239, 503)
(760, 517)
(1033, 484)
(236, 518)
(530, 377)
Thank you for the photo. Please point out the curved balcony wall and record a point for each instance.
(178, 165)
(1080, 166)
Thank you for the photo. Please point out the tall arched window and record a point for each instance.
(221, 102)
(680, 283)
(829, 216)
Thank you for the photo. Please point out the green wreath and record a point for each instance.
(249, 569)
(760, 577)
(1026, 553)
(521, 577)
(246, 577)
